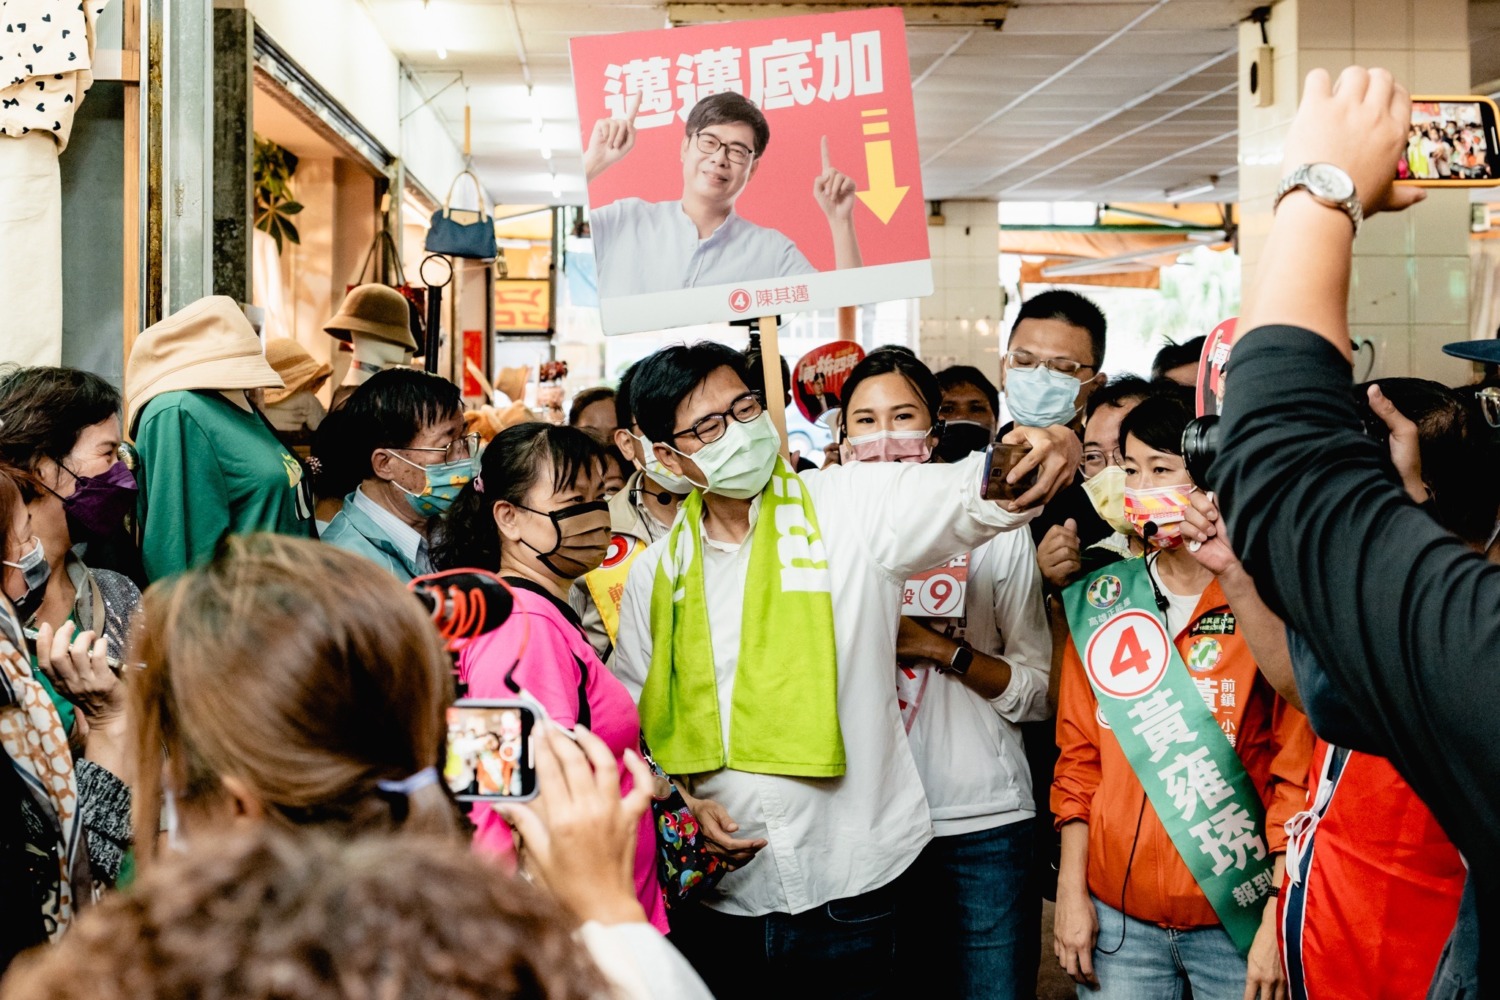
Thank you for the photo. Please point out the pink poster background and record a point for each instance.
(780, 195)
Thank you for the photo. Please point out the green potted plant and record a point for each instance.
(274, 203)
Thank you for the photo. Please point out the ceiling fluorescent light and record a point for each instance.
(432, 29)
(1182, 192)
(534, 108)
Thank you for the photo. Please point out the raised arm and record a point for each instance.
(834, 192)
(610, 141)
(1401, 614)
(1359, 125)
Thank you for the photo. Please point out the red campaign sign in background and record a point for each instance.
(833, 362)
(812, 77)
(1211, 367)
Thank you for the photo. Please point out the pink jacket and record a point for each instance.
(549, 671)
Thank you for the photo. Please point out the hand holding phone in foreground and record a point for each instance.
(1030, 464)
(578, 836)
(1358, 124)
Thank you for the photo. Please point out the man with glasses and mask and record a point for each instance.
(1049, 370)
(406, 436)
(700, 240)
(757, 637)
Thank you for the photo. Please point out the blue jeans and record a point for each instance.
(967, 915)
(844, 948)
(1155, 963)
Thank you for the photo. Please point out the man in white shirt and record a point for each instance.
(645, 247)
(814, 859)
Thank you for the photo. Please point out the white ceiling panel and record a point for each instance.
(1094, 99)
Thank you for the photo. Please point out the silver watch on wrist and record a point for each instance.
(1328, 184)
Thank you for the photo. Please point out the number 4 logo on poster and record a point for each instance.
(1128, 655)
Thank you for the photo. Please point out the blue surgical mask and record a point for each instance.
(35, 572)
(1040, 397)
(444, 481)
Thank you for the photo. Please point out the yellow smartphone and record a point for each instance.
(1451, 143)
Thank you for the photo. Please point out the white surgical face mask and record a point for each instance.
(658, 473)
(739, 464)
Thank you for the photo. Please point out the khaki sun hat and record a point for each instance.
(207, 345)
(297, 368)
(377, 310)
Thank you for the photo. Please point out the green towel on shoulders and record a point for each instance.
(784, 715)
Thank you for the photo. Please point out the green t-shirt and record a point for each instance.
(210, 469)
(65, 709)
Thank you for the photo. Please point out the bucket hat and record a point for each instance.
(377, 310)
(206, 345)
(297, 368)
(1486, 352)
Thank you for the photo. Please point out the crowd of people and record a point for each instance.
(1444, 150)
(1224, 707)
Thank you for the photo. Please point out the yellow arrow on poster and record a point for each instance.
(882, 197)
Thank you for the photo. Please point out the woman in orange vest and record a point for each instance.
(1149, 907)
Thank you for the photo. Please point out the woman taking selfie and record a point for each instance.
(289, 683)
(1171, 753)
(966, 677)
(536, 515)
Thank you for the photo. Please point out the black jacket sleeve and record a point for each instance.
(1403, 617)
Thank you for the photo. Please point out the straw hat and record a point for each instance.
(207, 345)
(378, 310)
(297, 368)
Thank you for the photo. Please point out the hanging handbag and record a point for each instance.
(463, 232)
(683, 865)
(388, 271)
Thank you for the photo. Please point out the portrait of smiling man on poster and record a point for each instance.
(751, 168)
(699, 239)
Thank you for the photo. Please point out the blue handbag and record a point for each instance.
(464, 233)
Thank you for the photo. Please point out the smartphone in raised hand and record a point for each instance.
(999, 462)
(1451, 142)
(490, 756)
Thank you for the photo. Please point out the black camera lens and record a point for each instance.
(1200, 445)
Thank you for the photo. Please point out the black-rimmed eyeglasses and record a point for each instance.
(709, 429)
(709, 143)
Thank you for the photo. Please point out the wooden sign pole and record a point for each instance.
(848, 322)
(770, 363)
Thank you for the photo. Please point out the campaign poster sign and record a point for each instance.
(751, 168)
(818, 380)
(1211, 368)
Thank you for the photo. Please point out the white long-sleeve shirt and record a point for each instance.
(968, 748)
(835, 837)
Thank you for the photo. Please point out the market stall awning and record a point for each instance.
(1127, 247)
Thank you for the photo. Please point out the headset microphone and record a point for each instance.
(664, 497)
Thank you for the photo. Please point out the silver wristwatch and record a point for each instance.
(1330, 185)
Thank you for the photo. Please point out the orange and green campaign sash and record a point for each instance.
(1192, 775)
(607, 583)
